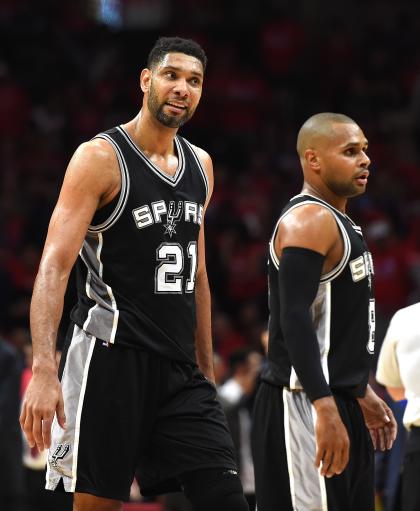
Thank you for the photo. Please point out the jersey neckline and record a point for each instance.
(171, 180)
(324, 202)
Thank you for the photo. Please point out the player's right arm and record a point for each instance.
(309, 244)
(91, 180)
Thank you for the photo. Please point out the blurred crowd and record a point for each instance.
(70, 70)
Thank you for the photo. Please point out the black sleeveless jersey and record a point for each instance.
(136, 269)
(343, 313)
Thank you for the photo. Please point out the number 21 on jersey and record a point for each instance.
(169, 272)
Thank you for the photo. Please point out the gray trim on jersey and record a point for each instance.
(357, 228)
(171, 180)
(335, 272)
(307, 486)
(102, 319)
(321, 318)
(200, 166)
(125, 188)
(63, 453)
(274, 259)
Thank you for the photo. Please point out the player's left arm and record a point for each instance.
(203, 336)
(379, 419)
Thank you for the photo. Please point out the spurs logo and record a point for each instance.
(152, 214)
(59, 454)
(173, 217)
(362, 267)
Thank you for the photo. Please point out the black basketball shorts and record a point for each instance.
(129, 411)
(283, 446)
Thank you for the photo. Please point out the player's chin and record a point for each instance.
(357, 190)
(185, 117)
(174, 121)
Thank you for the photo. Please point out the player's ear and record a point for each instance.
(145, 79)
(312, 159)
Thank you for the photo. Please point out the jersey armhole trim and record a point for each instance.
(274, 258)
(123, 194)
(335, 272)
(200, 166)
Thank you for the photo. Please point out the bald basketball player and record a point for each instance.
(316, 420)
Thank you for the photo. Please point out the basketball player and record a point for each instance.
(314, 409)
(131, 396)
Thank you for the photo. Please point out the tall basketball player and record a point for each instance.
(131, 395)
(314, 409)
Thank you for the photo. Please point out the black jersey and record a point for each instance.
(136, 269)
(343, 313)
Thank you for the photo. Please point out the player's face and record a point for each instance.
(345, 162)
(175, 89)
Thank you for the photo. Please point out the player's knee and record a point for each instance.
(211, 489)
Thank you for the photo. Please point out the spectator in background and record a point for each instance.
(237, 398)
(388, 463)
(220, 368)
(227, 338)
(14, 104)
(11, 470)
(398, 369)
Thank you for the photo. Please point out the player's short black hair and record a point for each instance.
(165, 45)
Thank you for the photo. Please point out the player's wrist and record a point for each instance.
(44, 367)
(324, 404)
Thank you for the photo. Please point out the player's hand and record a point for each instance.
(379, 419)
(43, 398)
(332, 440)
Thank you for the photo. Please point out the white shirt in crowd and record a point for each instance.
(399, 360)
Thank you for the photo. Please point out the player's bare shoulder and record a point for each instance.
(94, 166)
(311, 226)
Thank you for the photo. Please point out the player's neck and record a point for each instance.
(325, 195)
(151, 136)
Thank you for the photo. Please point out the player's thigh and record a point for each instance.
(272, 483)
(191, 430)
(105, 398)
(353, 489)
